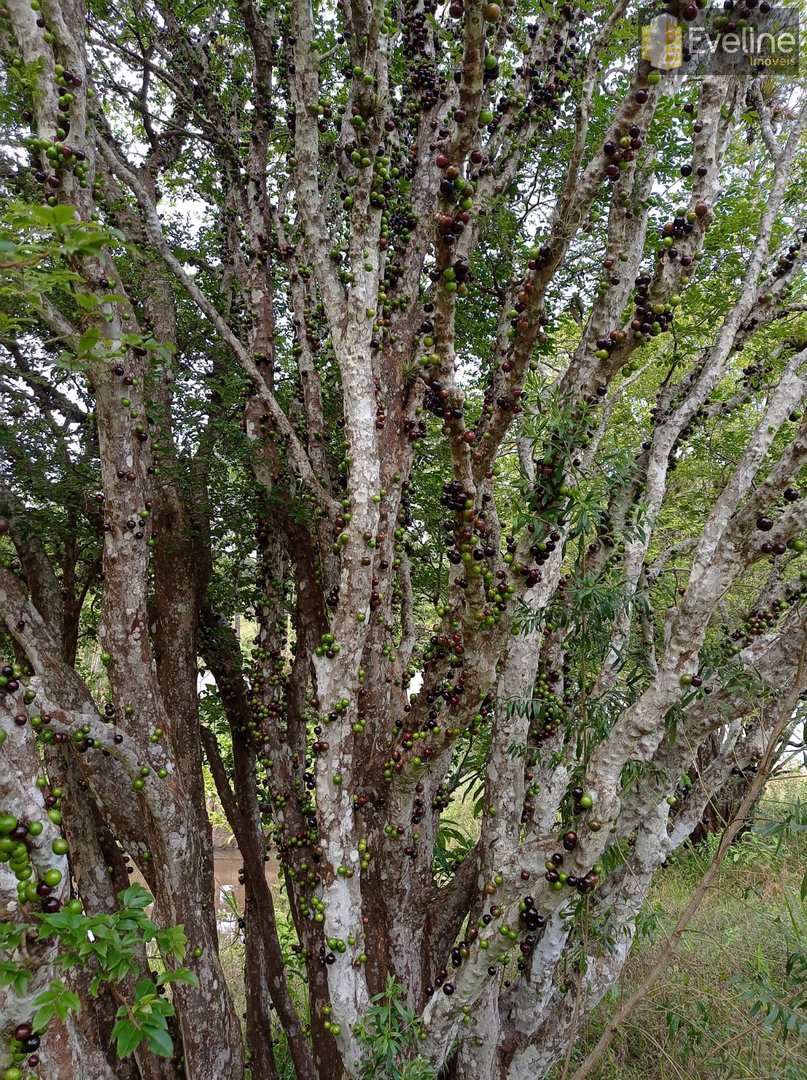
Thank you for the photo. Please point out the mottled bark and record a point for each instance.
(328, 286)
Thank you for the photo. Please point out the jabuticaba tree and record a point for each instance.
(463, 353)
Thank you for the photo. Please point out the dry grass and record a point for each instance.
(697, 1024)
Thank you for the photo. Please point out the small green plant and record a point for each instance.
(112, 946)
(390, 1032)
(452, 844)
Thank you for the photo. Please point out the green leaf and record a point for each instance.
(62, 214)
(180, 975)
(135, 897)
(86, 301)
(172, 941)
(145, 988)
(56, 1001)
(159, 1040)
(127, 1036)
(88, 340)
(14, 976)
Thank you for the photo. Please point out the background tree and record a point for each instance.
(465, 355)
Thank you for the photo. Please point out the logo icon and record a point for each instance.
(662, 43)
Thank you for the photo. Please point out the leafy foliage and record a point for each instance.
(112, 947)
(390, 1031)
